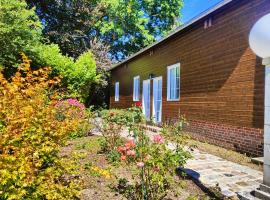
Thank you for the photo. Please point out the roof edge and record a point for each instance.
(177, 30)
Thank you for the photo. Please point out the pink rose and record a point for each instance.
(130, 144)
(158, 139)
(140, 164)
(121, 149)
(131, 153)
(123, 158)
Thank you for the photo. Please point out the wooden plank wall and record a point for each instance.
(222, 81)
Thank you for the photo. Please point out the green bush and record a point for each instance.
(78, 75)
(32, 132)
(21, 31)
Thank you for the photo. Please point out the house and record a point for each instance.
(206, 71)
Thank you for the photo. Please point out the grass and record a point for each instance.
(226, 154)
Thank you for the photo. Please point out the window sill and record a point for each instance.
(173, 100)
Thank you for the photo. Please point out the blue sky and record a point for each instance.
(193, 8)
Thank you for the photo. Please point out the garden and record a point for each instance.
(49, 152)
(58, 139)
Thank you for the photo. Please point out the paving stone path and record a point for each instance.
(231, 178)
(214, 173)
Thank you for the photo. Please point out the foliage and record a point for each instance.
(97, 171)
(20, 31)
(175, 130)
(154, 160)
(156, 163)
(178, 126)
(33, 129)
(75, 110)
(81, 76)
(100, 91)
(126, 26)
(78, 75)
(113, 123)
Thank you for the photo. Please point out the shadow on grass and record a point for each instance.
(190, 174)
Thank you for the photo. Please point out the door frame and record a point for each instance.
(149, 82)
(153, 104)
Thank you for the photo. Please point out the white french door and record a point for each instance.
(157, 99)
(146, 99)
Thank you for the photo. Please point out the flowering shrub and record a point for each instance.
(31, 136)
(155, 163)
(175, 128)
(127, 151)
(74, 109)
(113, 122)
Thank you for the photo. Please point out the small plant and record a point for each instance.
(97, 171)
(175, 128)
(125, 188)
(114, 157)
(113, 124)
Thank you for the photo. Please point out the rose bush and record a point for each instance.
(156, 164)
(154, 161)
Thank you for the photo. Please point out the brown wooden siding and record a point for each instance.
(222, 81)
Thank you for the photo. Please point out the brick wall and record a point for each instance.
(241, 139)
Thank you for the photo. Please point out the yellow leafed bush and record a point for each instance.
(31, 136)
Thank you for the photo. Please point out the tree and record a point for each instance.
(125, 25)
(21, 32)
(100, 91)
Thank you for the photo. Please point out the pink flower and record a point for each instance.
(147, 157)
(156, 169)
(130, 144)
(121, 149)
(123, 157)
(131, 153)
(140, 164)
(158, 139)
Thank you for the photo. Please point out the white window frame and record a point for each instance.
(153, 101)
(177, 65)
(116, 91)
(136, 94)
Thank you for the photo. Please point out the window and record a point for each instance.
(116, 97)
(136, 88)
(208, 23)
(173, 82)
